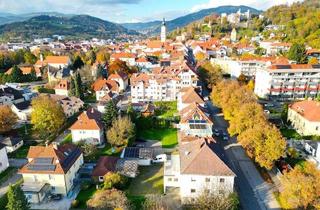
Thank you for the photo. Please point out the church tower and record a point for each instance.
(163, 35)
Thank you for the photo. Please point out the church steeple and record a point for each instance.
(163, 35)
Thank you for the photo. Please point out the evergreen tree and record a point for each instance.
(110, 114)
(78, 86)
(297, 53)
(33, 75)
(72, 91)
(77, 63)
(16, 74)
(16, 199)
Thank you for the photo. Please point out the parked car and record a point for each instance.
(55, 197)
(225, 136)
(216, 132)
(269, 105)
(160, 158)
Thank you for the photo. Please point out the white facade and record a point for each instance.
(287, 82)
(163, 35)
(302, 125)
(4, 162)
(61, 92)
(90, 136)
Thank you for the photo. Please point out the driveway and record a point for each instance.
(172, 198)
(253, 191)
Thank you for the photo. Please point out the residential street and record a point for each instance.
(253, 191)
(12, 180)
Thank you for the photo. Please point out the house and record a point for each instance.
(199, 167)
(287, 82)
(58, 62)
(143, 156)
(10, 95)
(55, 75)
(88, 128)
(4, 161)
(70, 105)
(195, 120)
(22, 110)
(50, 169)
(188, 96)
(108, 164)
(305, 117)
(11, 143)
(62, 88)
(129, 58)
(103, 87)
(121, 78)
(26, 70)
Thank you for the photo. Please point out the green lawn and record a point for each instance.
(166, 109)
(67, 139)
(167, 136)
(290, 133)
(149, 181)
(84, 195)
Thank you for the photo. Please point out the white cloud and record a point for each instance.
(257, 4)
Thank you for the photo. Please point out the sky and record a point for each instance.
(120, 11)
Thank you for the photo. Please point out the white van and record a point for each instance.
(160, 158)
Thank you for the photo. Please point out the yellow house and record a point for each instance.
(50, 169)
(305, 117)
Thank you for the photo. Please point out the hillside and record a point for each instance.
(78, 26)
(301, 21)
(154, 26)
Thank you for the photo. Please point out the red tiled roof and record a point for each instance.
(88, 120)
(63, 85)
(310, 110)
(104, 165)
(122, 55)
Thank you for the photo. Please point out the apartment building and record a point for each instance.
(288, 82)
(163, 84)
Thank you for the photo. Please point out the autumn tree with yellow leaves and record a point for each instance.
(7, 119)
(47, 116)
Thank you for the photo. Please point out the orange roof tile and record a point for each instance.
(88, 120)
(310, 110)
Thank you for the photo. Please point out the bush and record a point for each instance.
(85, 185)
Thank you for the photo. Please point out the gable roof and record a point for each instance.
(88, 120)
(63, 85)
(57, 59)
(194, 109)
(61, 158)
(104, 165)
(100, 83)
(309, 110)
(118, 75)
(189, 95)
(198, 157)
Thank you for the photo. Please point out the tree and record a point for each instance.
(154, 202)
(72, 90)
(119, 65)
(29, 58)
(300, 187)
(102, 56)
(16, 74)
(109, 199)
(297, 53)
(16, 199)
(47, 115)
(7, 119)
(250, 85)
(210, 74)
(77, 63)
(33, 75)
(78, 86)
(242, 79)
(215, 201)
(114, 180)
(200, 56)
(110, 114)
(121, 132)
(89, 150)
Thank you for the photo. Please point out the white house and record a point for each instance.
(50, 169)
(4, 162)
(103, 87)
(12, 143)
(88, 128)
(305, 117)
(22, 110)
(121, 78)
(10, 95)
(195, 120)
(129, 58)
(198, 168)
(62, 88)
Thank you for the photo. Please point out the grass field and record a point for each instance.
(166, 109)
(84, 195)
(149, 181)
(167, 136)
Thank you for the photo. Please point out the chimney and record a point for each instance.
(92, 110)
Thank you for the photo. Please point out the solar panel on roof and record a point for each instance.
(36, 167)
(45, 161)
(316, 66)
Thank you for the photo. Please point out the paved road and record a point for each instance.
(254, 192)
(12, 180)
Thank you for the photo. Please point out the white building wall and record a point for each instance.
(302, 125)
(4, 162)
(87, 135)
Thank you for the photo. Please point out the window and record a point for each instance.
(193, 190)
(175, 179)
(221, 180)
(193, 179)
(169, 179)
(207, 179)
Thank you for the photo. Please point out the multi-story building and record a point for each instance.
(50, 169)
(288, 82)
(198, 168)
(163, 84)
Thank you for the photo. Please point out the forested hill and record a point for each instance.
(78, 26)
